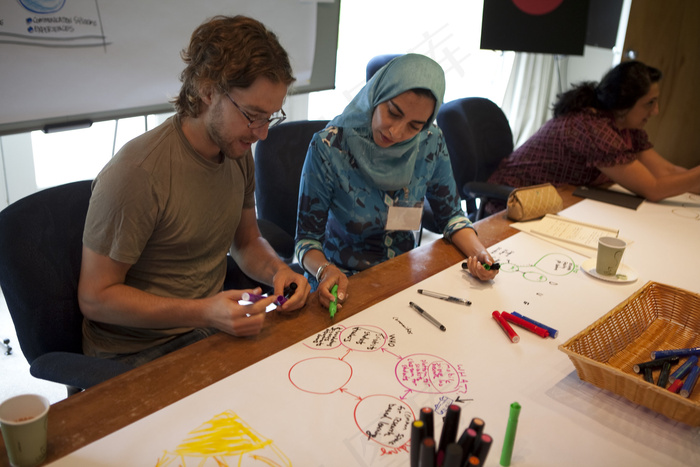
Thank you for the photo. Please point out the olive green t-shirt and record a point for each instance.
(172, 215)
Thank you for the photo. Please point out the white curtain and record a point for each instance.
(534, 83)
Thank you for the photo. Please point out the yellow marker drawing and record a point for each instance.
(225, 440)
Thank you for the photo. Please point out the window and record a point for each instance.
(448, 31)
(80, 154)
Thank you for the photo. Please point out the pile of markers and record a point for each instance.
(684, 376)
(504, 318)
(470, 449)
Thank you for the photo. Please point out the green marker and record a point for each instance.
(333, 307)
(509, 439)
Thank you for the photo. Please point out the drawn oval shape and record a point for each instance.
(385, 420)
(363, 338)
(427, 374)
(320, 375)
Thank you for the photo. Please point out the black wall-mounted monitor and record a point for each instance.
(537, 26)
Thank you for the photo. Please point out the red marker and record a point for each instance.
(676, 386)
(525, 324)
(512, 335)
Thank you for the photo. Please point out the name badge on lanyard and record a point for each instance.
(401, 216)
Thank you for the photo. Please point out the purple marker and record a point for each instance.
(251, 297)
(552, 332)
(280, 300)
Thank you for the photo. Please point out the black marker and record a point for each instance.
(449, 431)
(653, 364)
(486, 266)
(417, 435)
(468, 442)
(289, 291)
(447, 298)
(663, 377)
(426, 416)
(425, 315)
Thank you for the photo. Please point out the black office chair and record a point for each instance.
(478, 137)
(278, 163)
(375, 63)
(40, 254)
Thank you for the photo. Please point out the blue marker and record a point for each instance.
(684, 369)
(552, 332)
(690, 381)
(680, 352)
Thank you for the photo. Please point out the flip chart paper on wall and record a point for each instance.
(89, 59)
(344, 396)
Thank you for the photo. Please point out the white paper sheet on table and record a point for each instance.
(568, 233)
(342, 396)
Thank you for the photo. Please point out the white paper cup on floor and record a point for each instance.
(610, 251)
(24, 421)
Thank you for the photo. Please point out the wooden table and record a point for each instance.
(103, 409)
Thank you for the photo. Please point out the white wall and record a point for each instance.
(596, 61)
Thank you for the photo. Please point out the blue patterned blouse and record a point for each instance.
(343, 214)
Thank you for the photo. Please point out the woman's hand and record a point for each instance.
(476, 268)
(330, 277)
(477, 255)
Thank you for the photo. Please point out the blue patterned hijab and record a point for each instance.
(389, 168)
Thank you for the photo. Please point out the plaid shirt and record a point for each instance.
(569, 149)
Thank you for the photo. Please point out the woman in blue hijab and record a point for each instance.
(367, 173)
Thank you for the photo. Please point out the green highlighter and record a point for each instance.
(509, 438)
(333, 307)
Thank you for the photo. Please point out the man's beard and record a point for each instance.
(213, 127)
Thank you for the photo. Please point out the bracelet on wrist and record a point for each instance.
(319, 271)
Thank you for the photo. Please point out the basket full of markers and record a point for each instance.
(646, 349)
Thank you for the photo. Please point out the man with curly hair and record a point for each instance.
(171, 204)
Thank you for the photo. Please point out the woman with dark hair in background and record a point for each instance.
(597, 136)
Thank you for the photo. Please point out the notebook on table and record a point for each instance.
(609, 196)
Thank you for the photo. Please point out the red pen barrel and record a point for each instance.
(512, 335)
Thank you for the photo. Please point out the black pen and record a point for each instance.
(425, 315)
(447, 298)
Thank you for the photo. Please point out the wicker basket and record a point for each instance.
(656, 317)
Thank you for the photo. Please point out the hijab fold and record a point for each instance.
(389, 168)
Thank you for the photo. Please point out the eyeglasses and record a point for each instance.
(273, 121)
